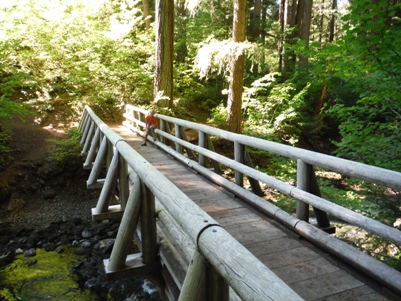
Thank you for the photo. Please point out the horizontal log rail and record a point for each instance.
(306, 192)
(143, 190)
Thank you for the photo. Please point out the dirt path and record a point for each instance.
(33, 191)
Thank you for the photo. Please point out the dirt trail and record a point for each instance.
(33, 192)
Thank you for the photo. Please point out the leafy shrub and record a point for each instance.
(66, 149)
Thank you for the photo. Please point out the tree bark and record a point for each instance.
(281, 17)
(255, 21)
(181, 38)
(333, 20)
(305, 28)
(163, 80)
(146, 13)
(234, 102)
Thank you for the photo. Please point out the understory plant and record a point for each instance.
(66, 149)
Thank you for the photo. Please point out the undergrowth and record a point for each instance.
(66, 149)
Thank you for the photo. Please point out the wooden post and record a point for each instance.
(254, 183)
(148, 226)
(177, 129)
(239, 157)
(86, 129)
(94, 175)
(92, 151)
(216, 164)
(109, 185)
(123, 181)
(109, 154)
(162, 127)
(88, 138)
(322, 219)
(306, 180)
(217, 286)
(183, 136)
(303, 183)
(83, 120)
(202, 143)
(194, 286)
(127, 228)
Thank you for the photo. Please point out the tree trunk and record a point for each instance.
(163, 81)
(289, 57)
(333, 20)
(281, 18)
(146, 13)
(234, 102)
(181, 38)
(255, 21)
(321, 23)
(305, 28)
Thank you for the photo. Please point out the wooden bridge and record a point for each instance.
(204, 237)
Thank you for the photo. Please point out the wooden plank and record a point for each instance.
(305, 270)
(215, 204)
(274, 246)
(360, 293)
(252, 227)
(326, 285)
(246, 239)
(133, 267)
(113, 211)
(288, 257)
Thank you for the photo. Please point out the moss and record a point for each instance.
(50, 277)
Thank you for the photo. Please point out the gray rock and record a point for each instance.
(86, 234)
(106, 245)
(86, 244)
(30, 253)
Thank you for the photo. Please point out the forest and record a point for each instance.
(322, 75)
(318, 74)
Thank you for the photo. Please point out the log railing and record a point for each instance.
(306, 192)
(144, 193)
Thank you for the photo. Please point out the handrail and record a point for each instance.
(362, 171)
(373, 174)
(260, 282)
(359, 170)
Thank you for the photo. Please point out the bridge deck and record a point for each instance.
(312, 273)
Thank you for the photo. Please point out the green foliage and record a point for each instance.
(77, 53)
(282, 109)
(369, 60)
(219, 116)
(66, 149)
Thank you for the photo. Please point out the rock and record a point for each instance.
(30, 253)
(86, 244)
(86, 234)
(49, 247)
(33, 262)
(105, 245)
(15, 204)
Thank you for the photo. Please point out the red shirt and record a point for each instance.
(150, 120)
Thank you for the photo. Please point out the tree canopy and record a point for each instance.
(323, 75)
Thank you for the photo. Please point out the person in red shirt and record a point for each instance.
(151, 124)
